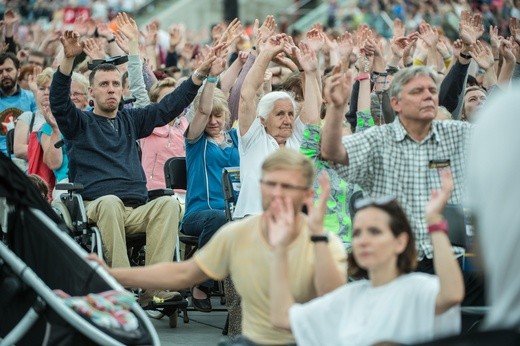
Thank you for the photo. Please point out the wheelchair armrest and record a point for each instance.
(69, 186)
(153, 194)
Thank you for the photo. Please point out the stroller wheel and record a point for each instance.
(154, 314)
(173, 318)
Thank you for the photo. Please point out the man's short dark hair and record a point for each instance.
(101, 67)
(12, 56)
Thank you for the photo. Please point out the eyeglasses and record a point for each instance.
(75, 94)
(284, 186)
(368, 201)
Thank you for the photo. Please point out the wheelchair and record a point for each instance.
(72, 210)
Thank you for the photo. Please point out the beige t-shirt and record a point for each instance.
(240, 249)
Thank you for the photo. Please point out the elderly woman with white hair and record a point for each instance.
(271, 124)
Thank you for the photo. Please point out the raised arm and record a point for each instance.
(254, 80)
(337, 92)
(127, 27)
(446, 267)
(205, 106)
(308, 60)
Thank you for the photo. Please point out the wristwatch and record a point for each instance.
(199, 76)
(320, 237)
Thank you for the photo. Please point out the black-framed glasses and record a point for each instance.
(284, 186)
(368, 201)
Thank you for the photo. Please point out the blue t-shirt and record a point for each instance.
(205, 160)
(62, 172)
(10, 108)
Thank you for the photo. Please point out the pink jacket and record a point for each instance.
(164, 142)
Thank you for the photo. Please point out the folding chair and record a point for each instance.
(231, 189)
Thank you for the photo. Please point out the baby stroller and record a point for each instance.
(37, 258)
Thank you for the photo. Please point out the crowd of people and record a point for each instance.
(350, 145)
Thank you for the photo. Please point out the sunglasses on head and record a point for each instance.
(369, 201)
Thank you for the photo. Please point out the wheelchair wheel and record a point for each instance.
(155, 314)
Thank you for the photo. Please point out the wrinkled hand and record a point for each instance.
(482, 54)
(439, 198)
(470, 27)
(264, 32)
(429, 36)
(315, 39)
(307, 57)
(72, 46)
(274, 45)
(317, 213)
(92, 48)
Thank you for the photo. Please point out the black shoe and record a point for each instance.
(202, 305)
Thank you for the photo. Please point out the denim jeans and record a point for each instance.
(204, 224)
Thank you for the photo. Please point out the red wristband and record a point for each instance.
(441, 226)
(362, 76)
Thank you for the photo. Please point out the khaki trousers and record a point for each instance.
(159, 219)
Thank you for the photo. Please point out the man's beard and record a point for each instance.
(7, 85)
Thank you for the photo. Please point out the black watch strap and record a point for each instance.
(319, 237)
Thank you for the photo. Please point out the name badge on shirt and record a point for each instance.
(439, 164)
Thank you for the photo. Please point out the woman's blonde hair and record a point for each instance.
(159, 86)
(220, 104)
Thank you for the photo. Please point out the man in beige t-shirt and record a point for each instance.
(241, 249)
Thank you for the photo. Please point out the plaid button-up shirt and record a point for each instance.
(384, 160)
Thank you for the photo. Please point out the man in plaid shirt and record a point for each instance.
(402, 159)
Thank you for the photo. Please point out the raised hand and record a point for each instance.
(127, 26)
(31, 78)
(439, 198)
(428, 34)
(399, 30)
(398, 45)
(93, 49)
(482, 54)
(151, 34)
(307, 57)
(506, 49)
(264, 32)
(345, 45)
(242, 56)
(315, 39)
(104, 30)
(175, 36)
(72, 46)
(514, 27)
(122, 41)
(273, 45)
(219, 64)
(280, 221)
(317, 213)
(338, 87)
(470, 27)
(232, 32)
(493, 37)
(187, 51)
(443, 49)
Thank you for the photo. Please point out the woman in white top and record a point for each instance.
(389, 302)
